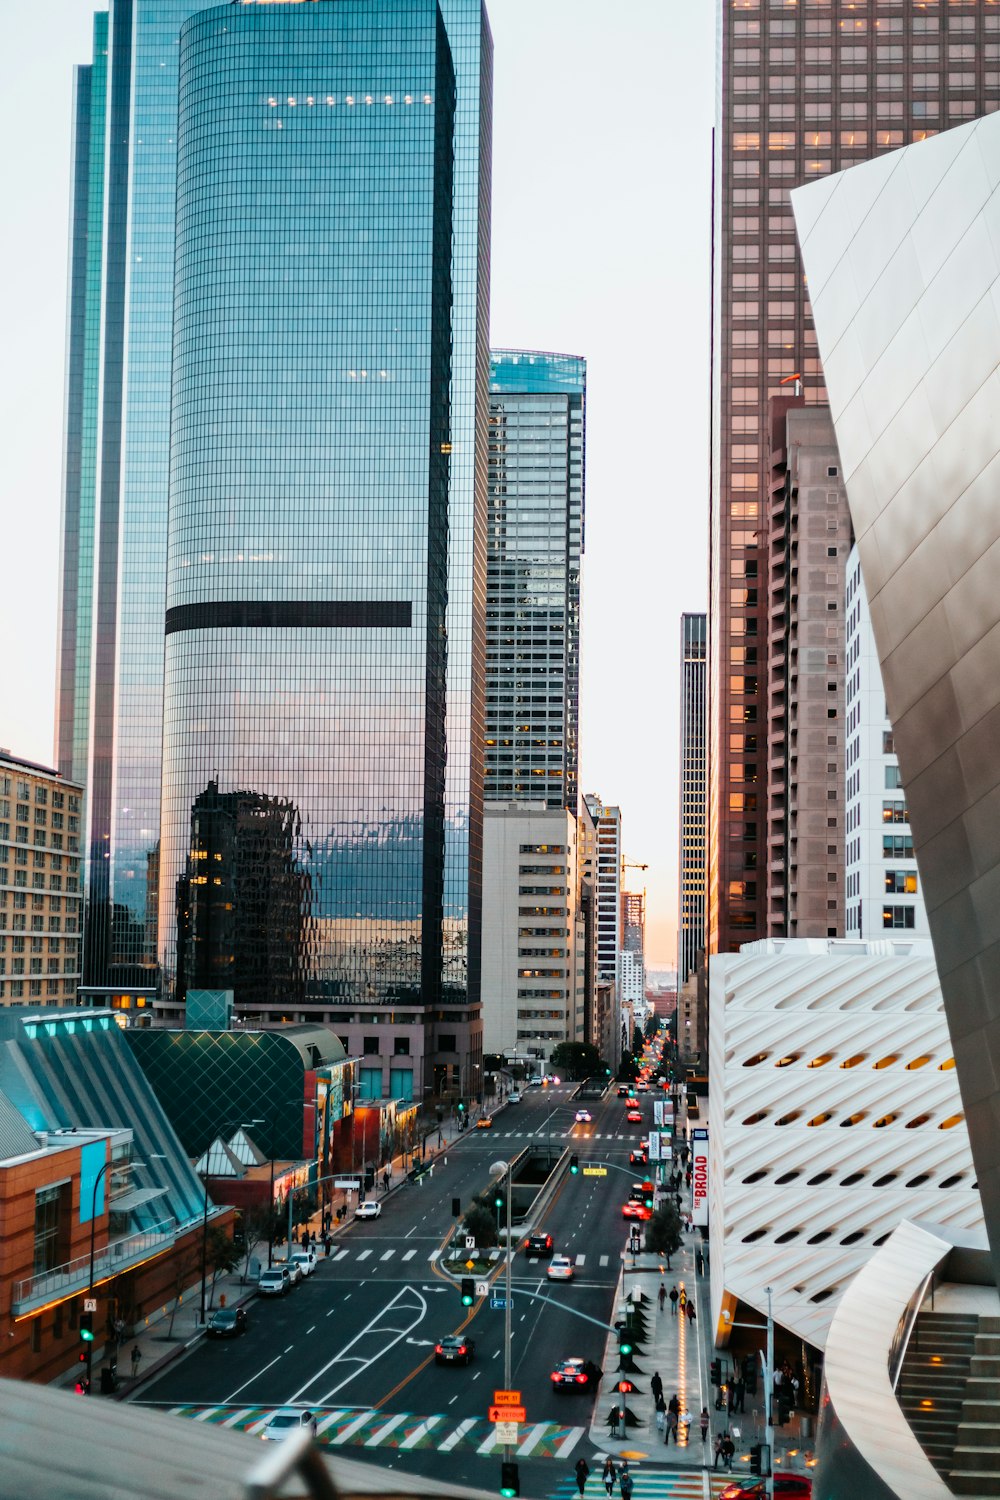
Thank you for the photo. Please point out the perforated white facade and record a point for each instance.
(834, 1114)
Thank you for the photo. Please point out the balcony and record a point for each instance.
(66, 1280)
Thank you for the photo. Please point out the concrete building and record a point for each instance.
(803, 91)
(834, 1113)
(595, 1025)
(903, 260)
(534, 945)
(41, 892)
(807, 536)
(881, 880)
(534, 551)
(693, 793)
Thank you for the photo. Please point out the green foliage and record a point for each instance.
(651, 1027)
(481, 1223)
(576, 1060)
(663, 1231)
(637, 1042)
(628, 1069)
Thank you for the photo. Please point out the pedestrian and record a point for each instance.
(674, 1298)
(136, 1357)
(313, 1424)
(704, 1422)
(717, 1449)
(691, 1311)
(671, 1420)
(728, 1449)
(739, 1394)
(661, 1413)
(661, 1296)
(582, 1474)
(656, 1385)
(682, 1298)
(610, 1475)
(625, 1482)
(328, 1243)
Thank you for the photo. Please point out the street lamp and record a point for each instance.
(497, 1170)
(204, 1219)
(93, 1232)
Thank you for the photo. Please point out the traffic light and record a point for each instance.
(784, 1406)
(497, 1199)
(461, 1106)
(755, 1459)
(647, 1199)
(625, 1347)
(87, 1328)
(510, 1483)
(82, 1386)
(468, 1291)
(715, 1372)
(574, 1164)
(456, 1208)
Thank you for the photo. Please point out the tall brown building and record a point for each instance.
(808, 538)
(804, 89)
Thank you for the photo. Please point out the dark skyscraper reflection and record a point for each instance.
(325, 560)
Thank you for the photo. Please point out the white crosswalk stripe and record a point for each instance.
(328, 1420)
(340, 1255)
(532, 1439)
(603, 1260)
(364, 1255)
(350, 1429)
(420, 1432)
(383, 1432)
(388, 1255)
(580, 1259)
(456, 1437)
(409, 1254)
(569, 1442)
(237, 1416)
(434, 1255)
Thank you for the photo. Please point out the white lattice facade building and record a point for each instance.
(834, 1113)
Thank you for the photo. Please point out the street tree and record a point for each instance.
(651, 1027)
(481, 1223)
(637, 1041)
(576, 1060)
(628, 1069)
(256, 1221)
(663, 1231)
(222, 1256)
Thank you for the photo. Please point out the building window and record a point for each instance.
(446, 1042)
(370, 1046)
(401, 1047)
(895, 812)
(897, 916)
(51, 1227)
(901, 882)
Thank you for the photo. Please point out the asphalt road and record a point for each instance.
(357, 1338)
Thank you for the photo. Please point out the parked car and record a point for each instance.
(305, 1260)
(274, 1281)
(286, 1421)
(538, 1244)
(368, 1210)
(561, 1268)
(227, 1323)
(294, 1270)
(454, 1350)
(575, 1375)
(514, 1097)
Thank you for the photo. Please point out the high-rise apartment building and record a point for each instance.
(694, 787)
(882, 883)
(535, 538)
(608, 823)
(324, 614)
(118, 447)
(807, 536)
(803, 90)
(41, 899)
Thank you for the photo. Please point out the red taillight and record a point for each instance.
(581, 1380)
(461, 1349)
(527, 1244)
(555, 1375)
(438, 1348)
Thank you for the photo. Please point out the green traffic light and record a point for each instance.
(87, 1334)
(508, 1491)
(625, 1348)
(466, 1301)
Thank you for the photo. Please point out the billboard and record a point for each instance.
(699, 1177)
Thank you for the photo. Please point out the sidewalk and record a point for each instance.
(159, 1343)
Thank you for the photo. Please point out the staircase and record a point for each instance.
(932, 1384)
(975, 1464)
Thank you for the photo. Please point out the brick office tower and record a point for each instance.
(805, 89)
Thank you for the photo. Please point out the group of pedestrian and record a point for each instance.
(610, 1476)
(723, 1448)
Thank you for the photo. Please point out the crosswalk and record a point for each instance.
(561, 1135)
(648, 1484)
(361, 1427)
(373, 1259)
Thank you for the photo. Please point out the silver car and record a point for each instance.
(286, 1421)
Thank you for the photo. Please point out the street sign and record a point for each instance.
(595, 1171)
(501, 1303)
(470, 1242)
(349, 1184)
(507, 1398)
(482, 1289)
(90, 1304)
(506, 1432)
(507, 1414)
(469, 1264)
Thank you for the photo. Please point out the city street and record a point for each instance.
(355, 1342)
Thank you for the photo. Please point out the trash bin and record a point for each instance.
(805, 1428)
(109, 1380)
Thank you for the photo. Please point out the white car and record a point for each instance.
(584, 1117)
(295, 1271)
(368, 1210)
(305, 1260)
(561, 1268)
(513, 1097)
(286, 1421)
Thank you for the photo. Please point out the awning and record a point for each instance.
(134, 1198)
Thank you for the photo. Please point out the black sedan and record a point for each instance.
(454, 1350)
(575, 1375)
(227, 1323)
(538, 1244)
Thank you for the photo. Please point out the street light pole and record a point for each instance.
(496, 1170)
(90, 1285)
(769, 1398)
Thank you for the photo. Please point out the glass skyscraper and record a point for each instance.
(535, 540)
(694, 787)
(325, 445)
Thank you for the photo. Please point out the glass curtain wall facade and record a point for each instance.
(534, 551)
(804, 90)
(109, 700)
(694, 771)
(310, 672)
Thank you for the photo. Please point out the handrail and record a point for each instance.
(901, 1339)
(76, 1273)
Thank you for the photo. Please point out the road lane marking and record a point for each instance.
(406, 1236)
(488, 1446)
(203, 1416)
(434, 1254)
(417, 1306)
(569, 1442)
(329, 1419)
(454, 1438)
(364, 1255)
(290, 1348)
(388, 1255)
(253, 1377)
(409, 1254)
(580, 1259)
(385, 1429)
(603, 1260)
(421, 1432)
(238, 1416)
(310, 1330)
(532, 1439)
(348, 1432)
(340, 1254)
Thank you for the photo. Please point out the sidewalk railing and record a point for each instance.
(74, 1275)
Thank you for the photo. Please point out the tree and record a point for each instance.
(651, 1027)
(637, 1043)
(184, 1272)
(663, 1231)
(481, 1223)
(628, 1069)
(576, 1059)
(256, 1222)
(493, 1062)
(222, 1256)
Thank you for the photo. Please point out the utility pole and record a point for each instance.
(769, 1399)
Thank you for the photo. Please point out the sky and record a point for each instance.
(601, 216)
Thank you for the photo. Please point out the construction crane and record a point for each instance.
(631, 864)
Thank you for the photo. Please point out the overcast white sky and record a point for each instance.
(601, 174)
